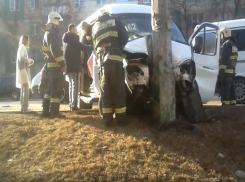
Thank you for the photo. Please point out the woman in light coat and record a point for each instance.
(23, 76)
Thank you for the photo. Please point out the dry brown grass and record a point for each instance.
(80, 148)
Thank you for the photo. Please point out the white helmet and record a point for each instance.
(226, 32)
(54, 18)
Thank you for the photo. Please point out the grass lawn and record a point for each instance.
(80, 148)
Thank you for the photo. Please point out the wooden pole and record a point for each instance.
(162, 81)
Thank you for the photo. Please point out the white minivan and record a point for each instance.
(207, 69)
(137, 21)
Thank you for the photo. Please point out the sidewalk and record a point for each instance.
(34, 105)
(7, 105)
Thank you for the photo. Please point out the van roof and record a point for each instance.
(118, 9)
(231, 23)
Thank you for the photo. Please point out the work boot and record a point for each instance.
(108, 119)
(122, 120)
(55, 111)
(46, 113)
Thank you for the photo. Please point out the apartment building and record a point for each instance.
(27, 16)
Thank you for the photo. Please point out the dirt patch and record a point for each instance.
(80, 148)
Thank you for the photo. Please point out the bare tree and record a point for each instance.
(184, 6)
(238, 4)
(223, 5)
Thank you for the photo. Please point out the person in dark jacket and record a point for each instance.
(227, 68)
(86, 40)
(73, 50)
(109, 38)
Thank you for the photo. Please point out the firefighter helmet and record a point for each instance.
(54, 18)
(226, 32)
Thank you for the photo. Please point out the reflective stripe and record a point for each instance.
(233, 102)
(45, 48)
(226, 102)
(233, 57)
(105, 35)
(107, 110)
(223, 67)
(61, 58)
(53, 65)
(229, 71)
(114, 57)
(121, 110)
(55, 100)
(46, 96)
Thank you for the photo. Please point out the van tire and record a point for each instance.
(240, 90)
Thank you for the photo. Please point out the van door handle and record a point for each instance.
(208, 68)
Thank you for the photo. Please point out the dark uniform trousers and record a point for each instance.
(227, 89)
(113, 89)
(227, 72)
(53, 94)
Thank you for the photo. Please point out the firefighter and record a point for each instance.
(53, 55)
(109, 38)
(227, 68)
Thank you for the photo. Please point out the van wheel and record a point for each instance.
(84, 105)
(240, 90)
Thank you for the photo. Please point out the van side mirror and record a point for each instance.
(197, 44)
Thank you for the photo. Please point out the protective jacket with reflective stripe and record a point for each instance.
(53, 49)
(109, 30)
(228, 58)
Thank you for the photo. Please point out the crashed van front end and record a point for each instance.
(138, 66)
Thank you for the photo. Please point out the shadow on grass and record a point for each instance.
(222, 136)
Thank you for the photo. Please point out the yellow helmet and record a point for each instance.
(226, 32)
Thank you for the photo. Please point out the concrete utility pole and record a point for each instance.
(163, 83)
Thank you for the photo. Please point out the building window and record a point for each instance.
(239, 36)
(33, 28)
(101, 2)
(80, 3)
(194, 19)
(146, 1)
(12, 56)
(32, 4)
(12, 5)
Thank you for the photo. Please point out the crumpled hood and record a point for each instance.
(180, 52)
(137, 46)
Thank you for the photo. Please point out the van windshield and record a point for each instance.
(139, 25)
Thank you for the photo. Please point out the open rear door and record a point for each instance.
(205, 42)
